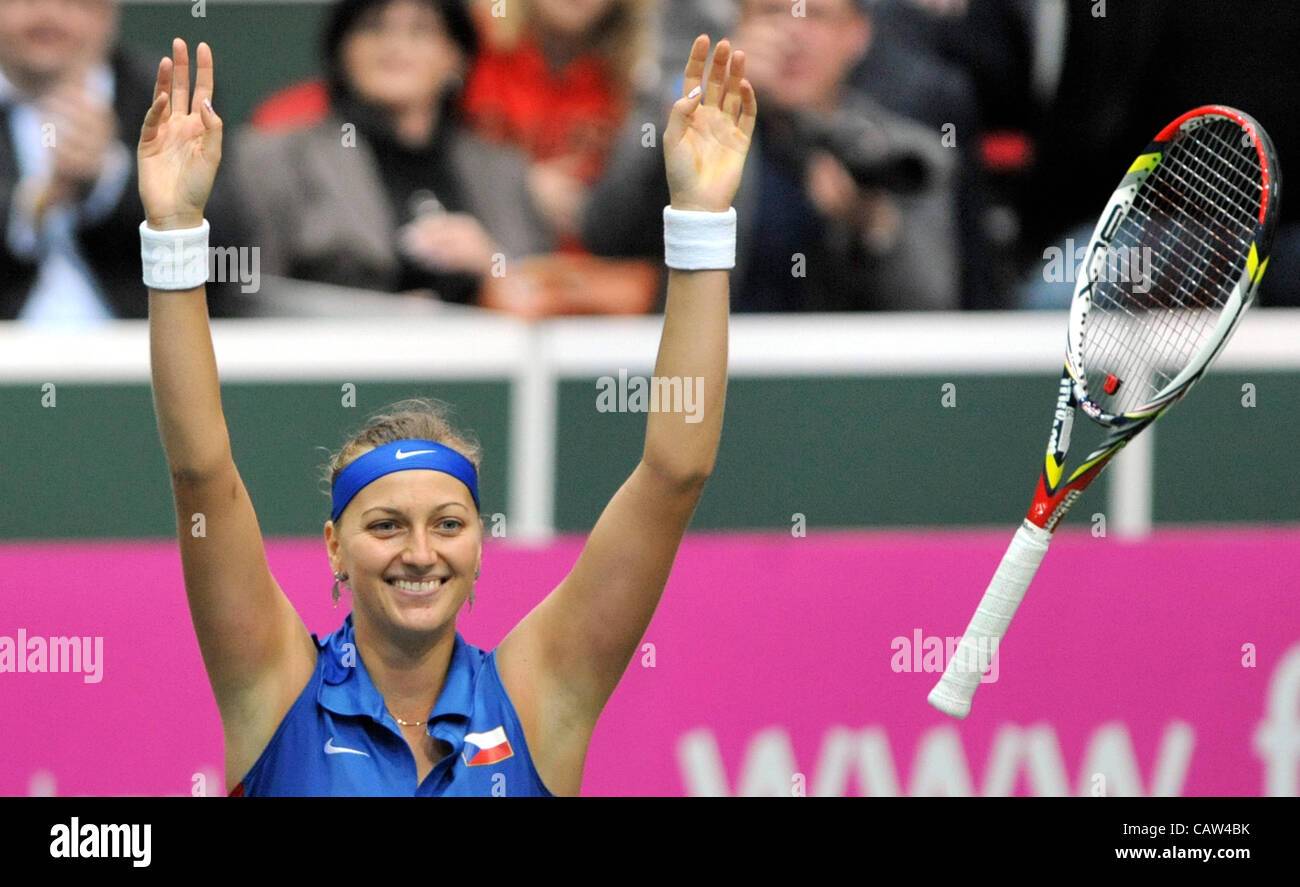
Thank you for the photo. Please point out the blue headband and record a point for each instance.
(398, 456)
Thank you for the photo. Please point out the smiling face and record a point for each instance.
(411, 543)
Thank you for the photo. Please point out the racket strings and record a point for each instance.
(1210, 241)
(1224, 163)
(1214, 242)
(1230, 242)
(1171, 335)
(1193, 219)
(1135, 330)
(1225, 264)
(1234, 164)
(1238, 241)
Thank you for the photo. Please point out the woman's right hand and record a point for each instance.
(557, 191)
(179, 150)
(450, 243)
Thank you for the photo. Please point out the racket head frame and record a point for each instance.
(1056, 492)
(1245, 287)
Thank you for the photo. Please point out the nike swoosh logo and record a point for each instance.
(332, 749)
(400, 455)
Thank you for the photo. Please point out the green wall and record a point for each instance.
(93, 464)
(1219, 460)
(842, 451)
(256, 47)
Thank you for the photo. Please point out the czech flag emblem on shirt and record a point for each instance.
(486, 748)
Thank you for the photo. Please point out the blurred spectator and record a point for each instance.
(73, 104)
(845, 206)
(963, 68)
(1090, 114)
(1243, 55)
(1126, 70)
(557, 78)
(372, 179)
(988, 42)
(680, 22)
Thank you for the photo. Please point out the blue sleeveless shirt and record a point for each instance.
(339, 739)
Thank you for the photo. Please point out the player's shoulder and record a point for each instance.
(479, 661)
(509, 692)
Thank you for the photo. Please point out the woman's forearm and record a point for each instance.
(177, 159)
(690, 377)
(705, 144)
(186, 391)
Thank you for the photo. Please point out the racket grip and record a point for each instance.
(953, 694)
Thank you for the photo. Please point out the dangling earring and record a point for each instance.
(338, 577)
(471, 593)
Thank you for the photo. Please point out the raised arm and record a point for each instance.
(251, 638)
(573, 648)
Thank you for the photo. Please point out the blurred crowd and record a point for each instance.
(909, 154)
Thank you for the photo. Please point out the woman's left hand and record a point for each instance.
(708, 135)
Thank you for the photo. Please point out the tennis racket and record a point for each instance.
(1191, 222)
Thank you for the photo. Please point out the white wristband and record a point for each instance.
(175, 259)
(695, 240)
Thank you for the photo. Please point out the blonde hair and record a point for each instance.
(417, 418)
(625, 37)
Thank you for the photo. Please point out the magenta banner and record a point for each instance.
(774, 666)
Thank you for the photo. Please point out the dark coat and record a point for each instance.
(111, 247)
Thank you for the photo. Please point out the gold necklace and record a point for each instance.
(406, 723)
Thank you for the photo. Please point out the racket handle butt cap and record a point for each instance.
(956, 708)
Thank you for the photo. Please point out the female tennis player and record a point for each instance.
(395, 702)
